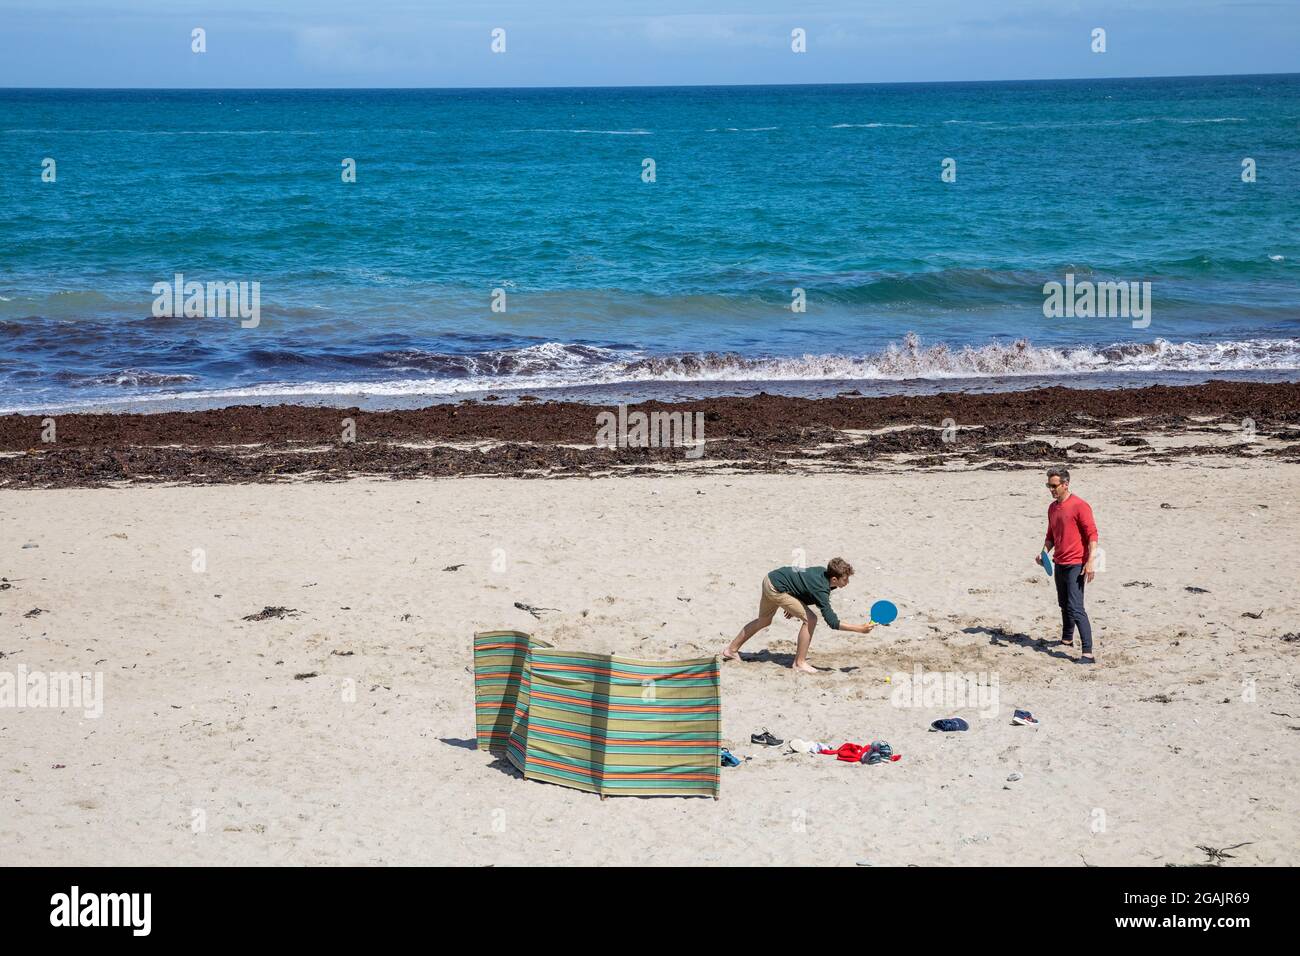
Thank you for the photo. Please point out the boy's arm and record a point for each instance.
(828, 615)
(832, 619)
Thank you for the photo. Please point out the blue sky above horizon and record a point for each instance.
(401, 43)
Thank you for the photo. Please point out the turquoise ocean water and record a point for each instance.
(384, 287)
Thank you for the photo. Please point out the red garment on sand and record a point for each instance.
(851, 753)
(1069, 526)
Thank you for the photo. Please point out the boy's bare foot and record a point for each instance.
(806, 668)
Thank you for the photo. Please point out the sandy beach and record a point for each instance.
(342, 732)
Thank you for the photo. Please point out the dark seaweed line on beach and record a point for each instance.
(765, 433)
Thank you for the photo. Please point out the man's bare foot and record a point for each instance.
(729, 655)
(806, 668)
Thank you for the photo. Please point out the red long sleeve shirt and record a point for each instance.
(1069, 527)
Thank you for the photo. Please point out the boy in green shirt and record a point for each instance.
(793, 591)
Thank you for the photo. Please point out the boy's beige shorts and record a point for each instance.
(773, 599)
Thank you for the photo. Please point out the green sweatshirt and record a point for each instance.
(810, 587)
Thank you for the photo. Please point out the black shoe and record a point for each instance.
(766, 739)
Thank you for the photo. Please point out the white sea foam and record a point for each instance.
(556, 365)
(607, 132)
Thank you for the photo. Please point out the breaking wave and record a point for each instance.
(555, 365)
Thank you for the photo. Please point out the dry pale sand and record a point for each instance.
(1187, 733)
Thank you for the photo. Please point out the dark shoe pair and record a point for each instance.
(878, 752)
(766, 739)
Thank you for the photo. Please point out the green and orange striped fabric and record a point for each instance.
(501, 685)
(595, 722)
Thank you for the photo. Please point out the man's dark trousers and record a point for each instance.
(1069, 595)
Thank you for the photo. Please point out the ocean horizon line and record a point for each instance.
(645, 86)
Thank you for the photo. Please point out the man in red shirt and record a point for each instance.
(1072, 539)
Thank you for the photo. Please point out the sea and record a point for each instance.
(413, 246)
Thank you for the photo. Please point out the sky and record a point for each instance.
(434, 43)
